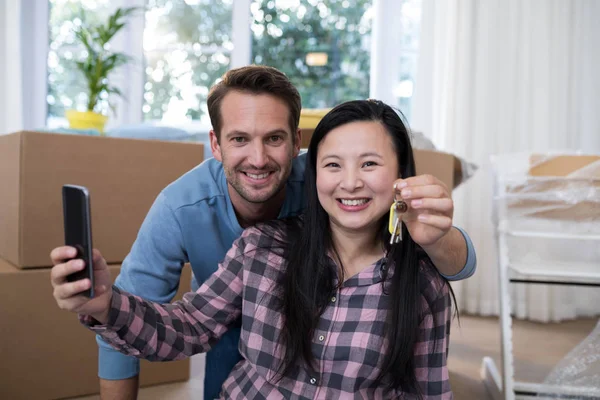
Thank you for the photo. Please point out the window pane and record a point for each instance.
(177, 84)
(187, 46)
(66, 85)
(409, 51)
(323, 46)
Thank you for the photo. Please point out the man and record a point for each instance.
(256, 175)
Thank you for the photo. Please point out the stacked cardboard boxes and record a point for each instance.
(45, 353)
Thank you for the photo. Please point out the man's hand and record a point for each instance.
(67, 294)
(429, 221)
(430, 208)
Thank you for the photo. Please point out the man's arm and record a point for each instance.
(453, 255)
(117, 372)
(151, 270)
(429, 221)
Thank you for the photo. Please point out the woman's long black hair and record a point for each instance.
(308, 281)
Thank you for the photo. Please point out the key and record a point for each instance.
(398, 208)
(396, 234)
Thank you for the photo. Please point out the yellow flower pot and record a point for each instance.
(86, 120)
(310, 117)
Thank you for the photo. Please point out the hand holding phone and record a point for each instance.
(78, 231)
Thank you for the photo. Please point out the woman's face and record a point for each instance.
(356, 169)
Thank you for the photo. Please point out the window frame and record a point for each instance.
(34, 58)
(131, 78)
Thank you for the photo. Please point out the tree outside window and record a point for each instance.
(187, 46)
(322, 46)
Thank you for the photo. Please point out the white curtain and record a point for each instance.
(11, 103)
(503, 76)
(23, 50)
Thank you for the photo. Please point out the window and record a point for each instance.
(66, 88)
(409, 52)
(187, 47)
(323, 46)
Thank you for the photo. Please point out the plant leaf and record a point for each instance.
(100, 61)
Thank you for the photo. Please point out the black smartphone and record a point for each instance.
(78, 231)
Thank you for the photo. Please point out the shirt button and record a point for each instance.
(321, 338)
(313, 381)
(333, 299)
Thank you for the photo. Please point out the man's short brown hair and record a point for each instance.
(255, 79)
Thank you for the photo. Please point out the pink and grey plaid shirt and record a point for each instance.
(348, 343)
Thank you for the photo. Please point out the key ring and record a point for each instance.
(401, 205)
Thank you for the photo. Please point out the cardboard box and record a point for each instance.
(124, 176)
(310, 117)
(444, 166)
(45, 352)
(305, 137)
(558, 187)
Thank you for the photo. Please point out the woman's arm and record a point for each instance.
(162, 332)
(431, 349)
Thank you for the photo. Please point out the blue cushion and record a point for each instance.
(69, 131)
(166, 133)
(149, 132)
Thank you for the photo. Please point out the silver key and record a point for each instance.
(397, 233)
(396, 210)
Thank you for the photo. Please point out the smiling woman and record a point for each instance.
(357, 165)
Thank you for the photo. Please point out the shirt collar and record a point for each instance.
(367, 277)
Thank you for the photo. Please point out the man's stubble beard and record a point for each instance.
(234, 180)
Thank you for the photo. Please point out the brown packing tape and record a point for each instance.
(560, 165)
(45, 352)
(582, 211)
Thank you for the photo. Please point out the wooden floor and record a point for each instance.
(538, 347)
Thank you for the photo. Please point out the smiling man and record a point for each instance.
(255, 175)
(256, 145)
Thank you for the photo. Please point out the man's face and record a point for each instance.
(256, 145)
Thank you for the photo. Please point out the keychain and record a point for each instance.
(398, 208)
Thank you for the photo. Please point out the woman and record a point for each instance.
(329, 308)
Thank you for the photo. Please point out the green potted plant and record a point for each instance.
(96, 67)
